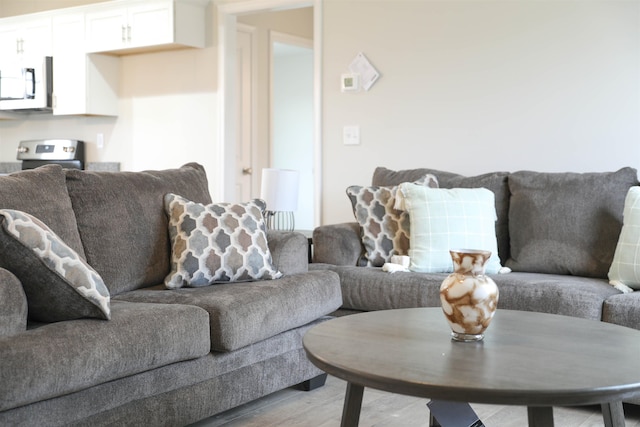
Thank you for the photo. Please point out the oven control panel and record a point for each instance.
(51, 149)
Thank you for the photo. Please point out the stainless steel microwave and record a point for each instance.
(27, 85)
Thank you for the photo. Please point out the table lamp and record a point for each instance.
(280, 191)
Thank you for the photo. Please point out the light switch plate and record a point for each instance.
(351, 135)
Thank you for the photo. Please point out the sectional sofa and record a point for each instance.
(556, 232)
(105, 318)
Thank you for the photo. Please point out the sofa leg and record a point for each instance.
(313, 383)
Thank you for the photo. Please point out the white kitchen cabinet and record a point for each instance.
(82, 84)
(85, 42)
(134, 25)
(27, 35)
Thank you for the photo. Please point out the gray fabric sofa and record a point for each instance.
(556, 231)
(166, 356)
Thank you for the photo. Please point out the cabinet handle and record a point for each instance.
(124, 33)
(129, 32)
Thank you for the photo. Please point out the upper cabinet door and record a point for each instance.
(138, 25)
(149, 24)
(22, 37)
(106, 28)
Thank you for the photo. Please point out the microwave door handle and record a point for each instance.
(32, 93)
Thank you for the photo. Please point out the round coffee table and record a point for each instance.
(530, 359)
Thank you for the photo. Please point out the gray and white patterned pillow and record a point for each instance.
(58, 283)
(217, 243)
(384, 230)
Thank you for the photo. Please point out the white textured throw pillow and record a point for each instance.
(624, 273)
(444, 219)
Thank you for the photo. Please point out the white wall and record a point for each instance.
(167, 116)
(479, 86)
(466, 86)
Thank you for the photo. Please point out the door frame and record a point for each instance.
(252, 107)
(227, 24)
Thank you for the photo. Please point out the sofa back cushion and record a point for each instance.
(122, 222)
(13, 305)
(495, 181)
(42, 193)
(566, 223)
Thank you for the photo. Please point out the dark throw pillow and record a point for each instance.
(58, 283)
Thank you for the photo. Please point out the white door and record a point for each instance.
(245, 162)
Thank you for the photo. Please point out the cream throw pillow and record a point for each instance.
(444, 219)
(624, 273)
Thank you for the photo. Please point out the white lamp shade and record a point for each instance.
(280, 189)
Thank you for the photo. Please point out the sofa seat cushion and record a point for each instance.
(63, 357)
(623, 309)
(554, 293)
(247, 312)
(370, 288)
(367, 289)
(122, 222)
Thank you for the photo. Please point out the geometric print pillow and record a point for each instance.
(384, 230)
(217, 243)
(59, 285)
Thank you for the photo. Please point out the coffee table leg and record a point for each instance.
(540, 416)
(352, 405)
(613, 414)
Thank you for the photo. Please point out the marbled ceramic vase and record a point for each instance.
(469, 298)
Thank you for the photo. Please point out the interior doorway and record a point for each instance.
(229, 99)
(292, 116)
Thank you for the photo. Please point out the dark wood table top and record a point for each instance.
(526, 358)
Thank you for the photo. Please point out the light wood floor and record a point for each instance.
(323, 408)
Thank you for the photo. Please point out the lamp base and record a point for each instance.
(280, 220)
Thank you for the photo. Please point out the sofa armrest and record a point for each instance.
(289, 251)
(338, 244)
